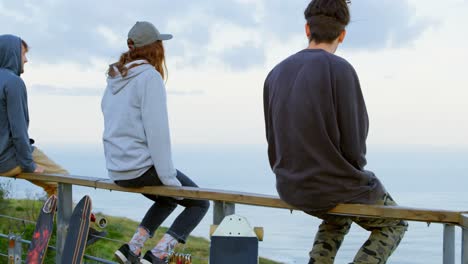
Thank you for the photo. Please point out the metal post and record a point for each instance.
(449, 244)
(222, 209)
(464, 249)
(464, 246)
(14, 249)
(64, 212)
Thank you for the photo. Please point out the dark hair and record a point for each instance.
(25, 45)
(327, 19)
(153, 53)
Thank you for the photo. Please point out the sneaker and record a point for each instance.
(125, 256)
(149, 258)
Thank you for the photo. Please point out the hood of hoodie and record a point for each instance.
(117, 83)
(10, 53)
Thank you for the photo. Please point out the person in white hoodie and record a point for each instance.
(137, 142)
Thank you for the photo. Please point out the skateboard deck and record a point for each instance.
(42, 233)
(75, 242)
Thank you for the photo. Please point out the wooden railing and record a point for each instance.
(224, 204)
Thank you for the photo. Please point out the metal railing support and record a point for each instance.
(464, 246)
(222, 209)
(64, 212)
(449, 244)
(14, 249)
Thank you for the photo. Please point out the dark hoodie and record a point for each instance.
(316, 126)
(15, 148)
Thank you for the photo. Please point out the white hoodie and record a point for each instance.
(136, 127)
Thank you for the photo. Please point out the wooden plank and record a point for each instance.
(357, 210)
(399, 212)
(186, 192)
(464, 219)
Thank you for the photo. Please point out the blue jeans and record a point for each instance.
(163, 206)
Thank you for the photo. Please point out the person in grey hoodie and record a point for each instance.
(137, 142)
(17, 154)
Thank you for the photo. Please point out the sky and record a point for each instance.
(410, 56)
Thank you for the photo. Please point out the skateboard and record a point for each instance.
(94, 235)
(42, 233)
(78, 228)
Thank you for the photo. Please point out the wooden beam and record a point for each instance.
(355, 210)
(186, 192)
(464, 219)
(398, 212)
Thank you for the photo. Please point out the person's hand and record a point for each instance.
(172, 181)
(39, 169)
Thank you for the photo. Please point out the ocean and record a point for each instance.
(419, 177)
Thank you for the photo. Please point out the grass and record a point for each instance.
(118, 228)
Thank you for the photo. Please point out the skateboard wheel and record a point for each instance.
(101, 222)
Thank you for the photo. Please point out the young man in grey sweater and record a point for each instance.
(316, 127)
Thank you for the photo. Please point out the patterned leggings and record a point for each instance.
(385, 236)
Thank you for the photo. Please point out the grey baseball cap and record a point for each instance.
(144, 33)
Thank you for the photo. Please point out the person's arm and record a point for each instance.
(353, 121)
(17, 110)
(156, 124)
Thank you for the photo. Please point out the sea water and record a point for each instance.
(416, 177)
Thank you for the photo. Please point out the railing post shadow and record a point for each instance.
(64, 212)
(449, 244)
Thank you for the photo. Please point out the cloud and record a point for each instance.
(186, 92)
(58, 91)
(245, 56)
(79, 31)
(384, 23)
(86, 91)
(374, 24)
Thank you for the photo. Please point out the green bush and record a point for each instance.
(4, 194)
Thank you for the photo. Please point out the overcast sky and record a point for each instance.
(410, 56)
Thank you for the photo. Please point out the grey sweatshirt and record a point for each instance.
(316, 126)
(136, 127)
(15, 148)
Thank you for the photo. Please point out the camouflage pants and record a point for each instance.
(385, 236)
